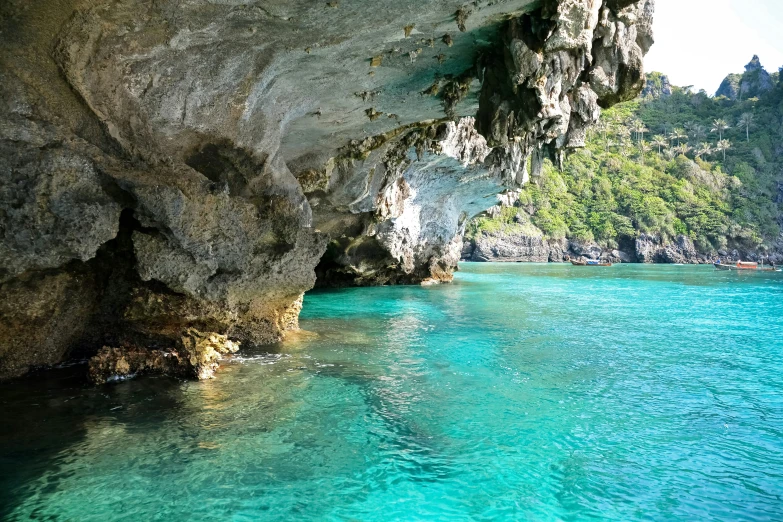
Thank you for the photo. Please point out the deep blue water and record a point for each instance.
(520, 392)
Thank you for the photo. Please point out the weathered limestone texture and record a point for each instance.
(179, 165)
(197, 356)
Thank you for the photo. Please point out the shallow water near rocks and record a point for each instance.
(520, 392)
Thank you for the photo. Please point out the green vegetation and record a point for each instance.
(685, 164)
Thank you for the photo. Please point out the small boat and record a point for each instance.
(746, 266)
(590, 262)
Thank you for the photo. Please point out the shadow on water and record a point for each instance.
(389, 398)
(49, 417)
(407, 439)
(48, 412)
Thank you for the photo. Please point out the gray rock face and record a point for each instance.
(730, 86)
(42, 315)
(240, 141)
(524, 246)
(650, 249)
(511, 247)
(54, 206)
(756, 80)
(526, 243)
(427, 185)
(587, 250)
(657, 86)
(618, 256)
(752, 83)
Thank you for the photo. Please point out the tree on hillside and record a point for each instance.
(703, 149)
(723, 146)
(697, 133)
(660, 142)
(638, 127)
(719, 126)
(677, 135)
(625, 148)
(602, 128)
(745, 121)
(634, 126)
(624, 133)
(683, 149)
(643, 130)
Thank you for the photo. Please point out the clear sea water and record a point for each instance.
(520, 392)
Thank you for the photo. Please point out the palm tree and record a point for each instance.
(625, 147)
(683, 149)
(746, 120)
(641, 130)
(723, 146)
(644, 147)
(660, 142)
(638, 127)
(624, 132)
(635, 124)
(703, 149)
(719, 126)
(689, 126)
(623, 143)
(677, 135)
(697, 133)
(602, 128)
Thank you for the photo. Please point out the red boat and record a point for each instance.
(746, 266)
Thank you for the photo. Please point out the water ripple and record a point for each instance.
(521, 392)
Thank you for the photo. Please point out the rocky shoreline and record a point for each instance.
(515, 247)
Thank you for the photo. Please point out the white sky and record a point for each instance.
(698, 42)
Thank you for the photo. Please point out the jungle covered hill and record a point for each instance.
(672, 176)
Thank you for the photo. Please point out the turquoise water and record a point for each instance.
(521, 392)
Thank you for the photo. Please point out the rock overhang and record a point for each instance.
(243, 136)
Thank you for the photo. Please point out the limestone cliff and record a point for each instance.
(658, 86)
(754, 82)
(171, 165)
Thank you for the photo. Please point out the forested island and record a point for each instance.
(673, 176)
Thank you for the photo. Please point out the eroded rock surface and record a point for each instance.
(197, 356)
(754, 82)
(519, 244)
(651, 249)
(196, 160)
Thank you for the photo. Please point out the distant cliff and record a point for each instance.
(671, 177)
(754, 82)
(657, 86)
